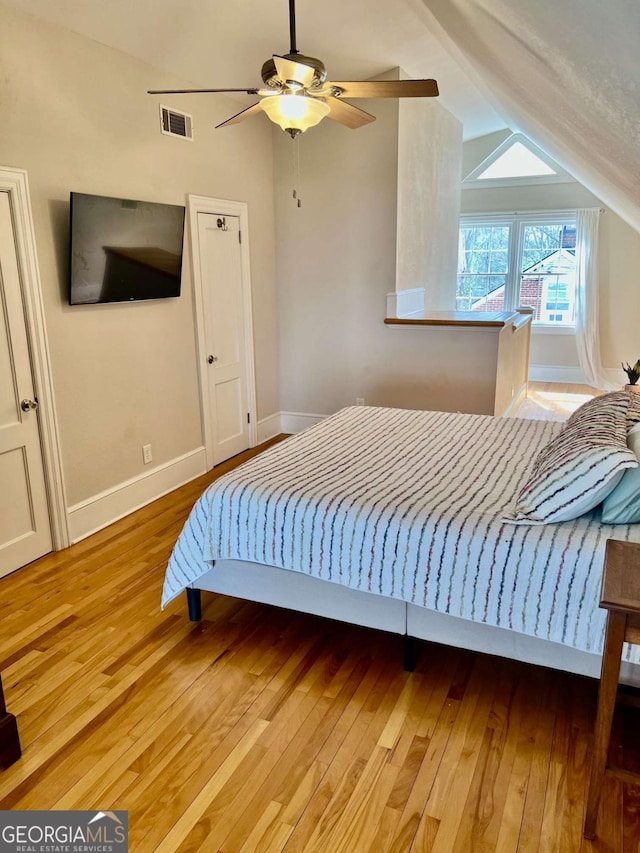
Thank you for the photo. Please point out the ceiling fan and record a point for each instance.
(297, 94)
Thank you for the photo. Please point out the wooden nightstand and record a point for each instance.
(621, 598)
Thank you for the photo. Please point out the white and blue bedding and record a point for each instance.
(409, 504)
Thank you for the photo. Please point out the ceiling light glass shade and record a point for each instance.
(294, 112)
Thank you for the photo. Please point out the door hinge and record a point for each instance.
(239, 236)
(248, 417)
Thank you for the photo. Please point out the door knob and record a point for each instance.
(212, 358)
(27, 405)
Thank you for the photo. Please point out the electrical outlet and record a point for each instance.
(147, 456)
(359, 401)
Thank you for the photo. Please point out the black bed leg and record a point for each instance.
(194, 603)
(409, 653)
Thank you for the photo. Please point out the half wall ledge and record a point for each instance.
(505, 361)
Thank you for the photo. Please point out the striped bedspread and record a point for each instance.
(409, 504)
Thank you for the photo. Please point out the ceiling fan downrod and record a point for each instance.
(292, 26)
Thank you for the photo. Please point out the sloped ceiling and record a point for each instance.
(223, 44)
(565, 74)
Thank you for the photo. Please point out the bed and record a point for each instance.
(400, 520)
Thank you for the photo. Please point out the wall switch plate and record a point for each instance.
(359, 401)
(146, 454)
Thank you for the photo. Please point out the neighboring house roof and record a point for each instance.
(560, 262)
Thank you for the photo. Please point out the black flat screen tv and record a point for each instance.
(123, 250)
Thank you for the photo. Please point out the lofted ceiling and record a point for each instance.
(216, 44)
(567, 75)
(570, 83)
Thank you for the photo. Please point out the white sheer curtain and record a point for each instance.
(587, 338)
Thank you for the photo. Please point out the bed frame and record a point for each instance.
(306, 594)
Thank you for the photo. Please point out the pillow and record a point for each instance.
(586, 409)
(578, 468)
(622, 505)
(633, 413)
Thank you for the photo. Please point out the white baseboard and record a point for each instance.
(572, 374)
(291, 422)
(556, 373)
(269, 426)
(103, 509)
(286, 422)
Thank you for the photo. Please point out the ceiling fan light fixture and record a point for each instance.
(295, 113)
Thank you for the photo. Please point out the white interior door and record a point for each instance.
(25, 529)
(225, 333)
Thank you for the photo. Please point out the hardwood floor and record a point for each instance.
(553, 401)
(261, 729)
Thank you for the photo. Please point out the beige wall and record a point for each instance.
(336, 256)
(474, 151)
(336, 263)
(619, 249)
(76, 117)
(619, 291)
(429, 173)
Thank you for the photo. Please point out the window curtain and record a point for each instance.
(586, 311)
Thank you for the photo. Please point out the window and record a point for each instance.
(483, 266)
(516, 162)
(518, 260)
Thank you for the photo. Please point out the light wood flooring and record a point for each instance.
(553, 401)
(264, 730)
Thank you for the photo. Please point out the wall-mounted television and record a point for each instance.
(123, 250)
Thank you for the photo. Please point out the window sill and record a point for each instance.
(545, 329)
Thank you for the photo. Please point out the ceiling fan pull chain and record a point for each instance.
(293, 168)
(296, 170)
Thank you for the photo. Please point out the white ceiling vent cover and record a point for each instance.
(173, 123)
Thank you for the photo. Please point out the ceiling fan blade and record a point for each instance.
(242, 115)
(388, 89)
(347, 114)
(197, 91)
(297, 71)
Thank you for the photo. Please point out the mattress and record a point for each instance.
(410, 505)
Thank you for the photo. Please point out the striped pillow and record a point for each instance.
(580, 466)
(633, 412)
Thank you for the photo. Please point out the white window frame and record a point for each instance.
(474, 181)
(516, 223)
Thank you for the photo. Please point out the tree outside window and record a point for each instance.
(541, 249)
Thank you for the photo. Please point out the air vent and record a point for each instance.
(175, 124)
